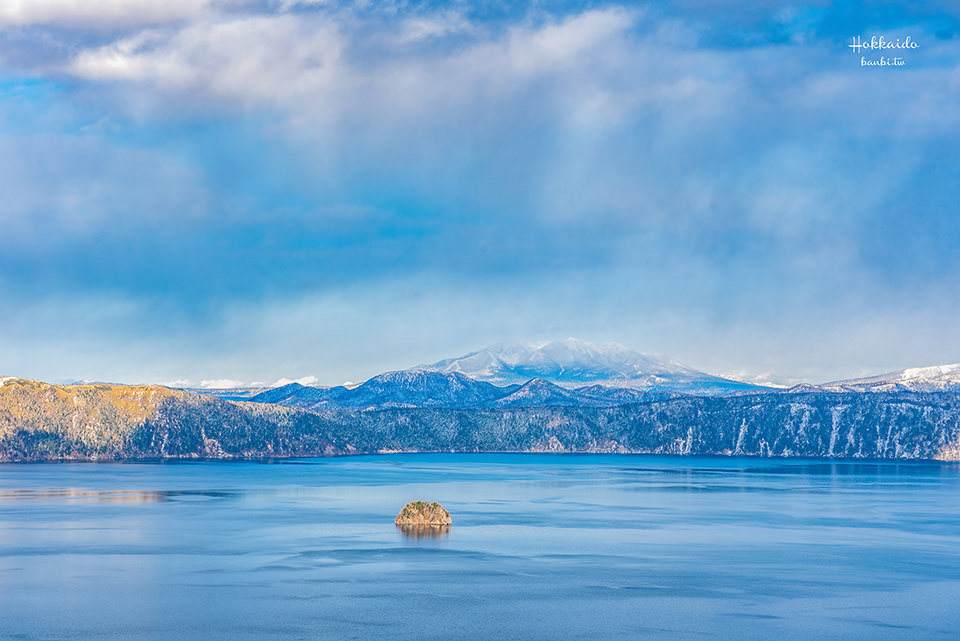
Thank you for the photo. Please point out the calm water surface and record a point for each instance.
(542, 547)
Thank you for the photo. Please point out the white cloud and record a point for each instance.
(314, 66)
(328, 64)
(564, 44)
(303, 380)
(286, 5)
(99, 13)
(769, 379)
(178, 383)
(422, 28)
(252, 59)
(221, 383)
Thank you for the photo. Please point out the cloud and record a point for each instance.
(303, 380)
(763, 378)
(430, 27)
(99, 14)
(592, 67)
(177, 383)
(250, 60)
(220, 383)
(589, 134)
(318, 65)
(682, 178)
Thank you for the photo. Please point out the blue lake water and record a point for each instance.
(542, 547)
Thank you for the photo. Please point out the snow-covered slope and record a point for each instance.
(422, 388)
(574, 363)
(298, 395)
(406, 388)
(916, 379)
(542, 393)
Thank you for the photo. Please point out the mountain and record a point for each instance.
(406, 388)
(297, 395)
(540, 392)
(611, 396)
(575, 363)
(916, 379)
(421, 388)
(565, 373)
(43, 422)
(424, 388)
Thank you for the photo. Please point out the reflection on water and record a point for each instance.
(424, 531)
(109, 496)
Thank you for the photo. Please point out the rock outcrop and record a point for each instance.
(421, 514)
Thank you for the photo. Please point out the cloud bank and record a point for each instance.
(728, 186)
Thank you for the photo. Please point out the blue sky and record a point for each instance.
(197, 190)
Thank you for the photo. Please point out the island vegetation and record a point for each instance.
(421, 513)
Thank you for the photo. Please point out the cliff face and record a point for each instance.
(106, 422)
(43, 422)
(900, 425)
(39, 421)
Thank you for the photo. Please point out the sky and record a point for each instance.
(194, 191)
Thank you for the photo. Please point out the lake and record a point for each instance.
(542, 547)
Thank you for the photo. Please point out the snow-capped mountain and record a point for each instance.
(575, 363)
(914, 379)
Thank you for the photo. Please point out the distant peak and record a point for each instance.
(290, 386)
(936, 377)
(539, 382)
(935, 371)
(574, 362)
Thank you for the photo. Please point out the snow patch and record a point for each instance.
(935, 378)
(928, 373)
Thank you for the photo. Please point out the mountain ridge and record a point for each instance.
(452, 390)
(42, 422)
(919, 379)
(605, 373)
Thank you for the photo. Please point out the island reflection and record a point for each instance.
(424, 531)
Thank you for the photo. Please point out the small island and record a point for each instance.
(421, 513)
